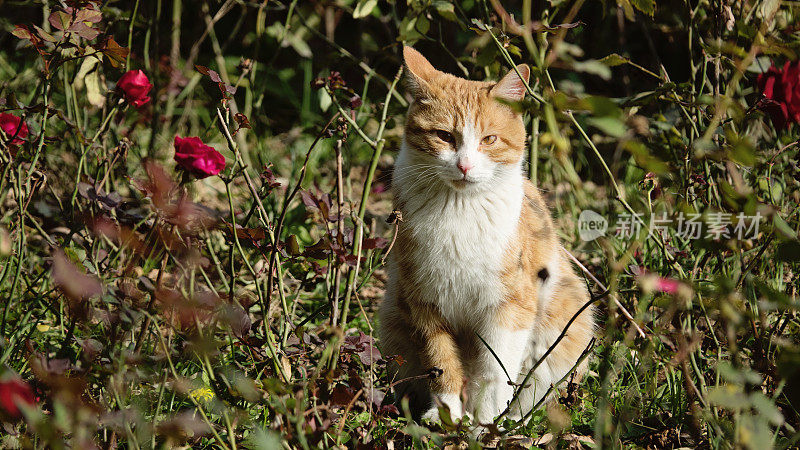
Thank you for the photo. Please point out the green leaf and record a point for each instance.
(446, 10)
(783, 227)
(299, 45)
(325, 101)
(364, 8)
(88, 76)
(264, 440)
(646, 6)
(627, 8)
(728, 396)
(615, 59)
(413, 29)
(45, 35)
(608, 125)
(594, 67)
(766, 408)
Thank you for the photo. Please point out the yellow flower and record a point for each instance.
(204, 393)
(43, 327)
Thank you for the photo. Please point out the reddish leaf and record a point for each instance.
(60, 20)
(320, 250)
(269, 179)
(364, 346)
(342, 395)
(88, 15)
(253, 234)
(241, 121)
(114, 52)
(44, 35)
(309, 200)
(73, 282)
(22, 32)
(355, 101)
(372, 243)
(83, 30)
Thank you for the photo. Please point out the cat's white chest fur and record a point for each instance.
(462, 239)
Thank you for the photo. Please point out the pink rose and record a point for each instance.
(13, 125)
(135, 86)
(781, 87)
(14, 392)
(198, 158)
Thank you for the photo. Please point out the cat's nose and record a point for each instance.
(464, 165)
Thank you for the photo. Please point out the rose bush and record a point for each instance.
(14, 127)
(135, 86)
(781, 87)
(198, 158)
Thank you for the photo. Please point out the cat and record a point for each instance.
(476, 262)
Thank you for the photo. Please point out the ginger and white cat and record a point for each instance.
(476, 254)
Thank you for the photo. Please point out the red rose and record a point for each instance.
(135, 86)
(14, 392)
(197, 158)
(13, 126)
(781, 87)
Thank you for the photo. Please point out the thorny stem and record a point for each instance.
(298, 185)
(362, 208)
(82, 161)
(264, 218)
(339, 230)
(130, 34)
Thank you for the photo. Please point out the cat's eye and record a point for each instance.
(489, 140)
(445, 136)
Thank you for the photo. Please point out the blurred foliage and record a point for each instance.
(148, 309)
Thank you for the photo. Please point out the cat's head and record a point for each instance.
(461, 129)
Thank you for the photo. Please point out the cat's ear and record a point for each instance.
(418, 72)
(512, 87)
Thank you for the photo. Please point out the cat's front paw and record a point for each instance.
(453, 403)
(493, 399)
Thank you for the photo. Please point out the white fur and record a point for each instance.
(453, 402)
(465, 231)
(489, 390)
(554, 272)
(550, 371)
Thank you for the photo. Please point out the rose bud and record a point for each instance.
(15, 392)
(198, 158)
(355, 102)
(135, 86)
(13, 126)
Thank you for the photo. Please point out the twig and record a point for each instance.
(604, 288)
